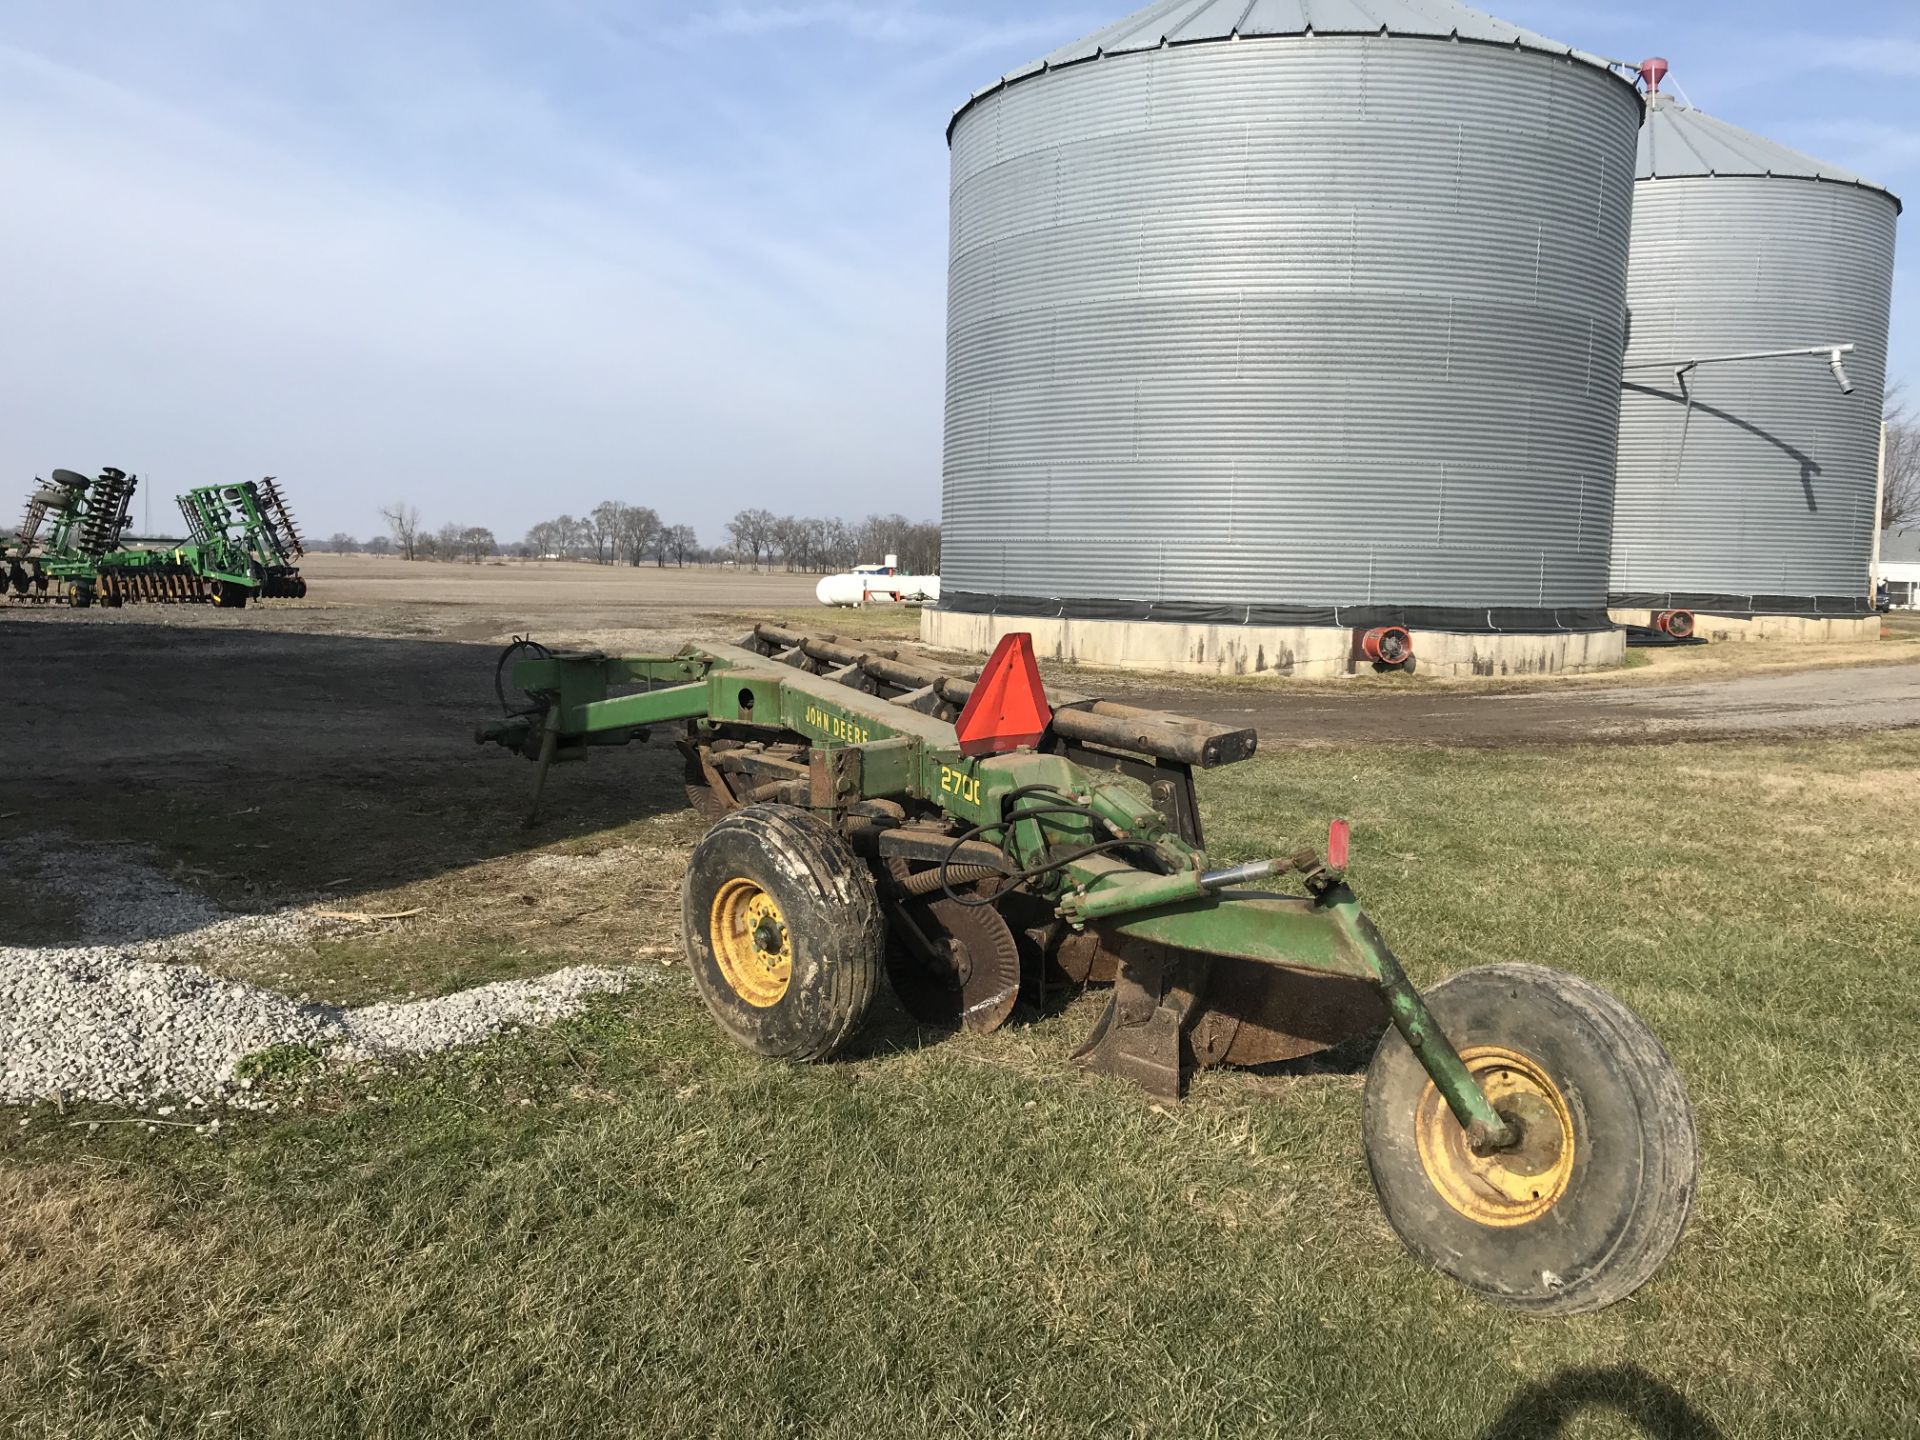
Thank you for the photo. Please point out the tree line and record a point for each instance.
(815, 546)
(615, 533)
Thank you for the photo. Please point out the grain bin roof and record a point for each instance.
(1185, 22)
(1679, 142)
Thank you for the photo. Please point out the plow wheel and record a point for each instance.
(783, 931)
(961, 967)
(1581, 1210)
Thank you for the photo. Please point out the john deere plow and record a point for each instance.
(977, 842)
(241, 544)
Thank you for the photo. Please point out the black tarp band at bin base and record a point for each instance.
(1462, 619)
(1749, 607)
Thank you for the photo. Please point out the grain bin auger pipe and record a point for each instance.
(872, 813)
(1682, 369)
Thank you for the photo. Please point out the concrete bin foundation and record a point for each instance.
(1282, 651)
(1767, 627)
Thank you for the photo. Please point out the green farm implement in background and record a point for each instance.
(70, 523)
(978, 842)
(241, 544)
(248, 530)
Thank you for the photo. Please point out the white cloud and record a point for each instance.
(1865, 54)
(1872, 149)
(958, 36)
(206, 304)
(887, 23)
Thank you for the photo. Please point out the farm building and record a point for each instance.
(1900, 566)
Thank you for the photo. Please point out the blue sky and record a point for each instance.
(508, 259)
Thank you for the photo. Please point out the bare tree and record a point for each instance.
(341, 543)
(683, 542)
(477, 542)
(837, 546)
(790, 538)
(603, 530)
(753, 533)
(544, 539)
(404, 521)
(1900, 499)
(639, 527)
(916, 543)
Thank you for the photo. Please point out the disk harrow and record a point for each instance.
(980, 844)
(69, 525)
(247, 538)
(242, 545)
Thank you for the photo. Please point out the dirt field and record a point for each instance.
(399, 652)
(342, 726)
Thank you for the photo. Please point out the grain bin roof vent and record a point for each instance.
(1187, 22)
(1679, 142)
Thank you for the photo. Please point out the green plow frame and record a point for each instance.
(1525, 1132)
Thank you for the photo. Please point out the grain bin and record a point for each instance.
(1749, 434)
(1271, 323)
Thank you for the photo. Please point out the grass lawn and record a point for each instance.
(624, 1225)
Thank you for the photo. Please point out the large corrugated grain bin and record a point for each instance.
(1269, 323)
(1748, 471)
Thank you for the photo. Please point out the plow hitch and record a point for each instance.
(979, 842)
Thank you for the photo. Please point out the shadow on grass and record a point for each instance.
(1540, 1412)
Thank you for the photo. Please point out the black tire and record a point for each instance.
(1611, 1218)
(825, 915)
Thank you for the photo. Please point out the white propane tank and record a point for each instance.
(877, 585)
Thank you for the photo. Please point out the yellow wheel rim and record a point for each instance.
(751, 942)
(1507, 1187)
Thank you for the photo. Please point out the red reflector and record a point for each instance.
(1008, 707)
(1339, 833)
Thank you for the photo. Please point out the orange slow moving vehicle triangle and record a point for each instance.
(1008, 707)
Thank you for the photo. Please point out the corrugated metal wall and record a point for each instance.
(1773, 500)
(1286, 324)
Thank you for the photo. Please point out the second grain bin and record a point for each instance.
(1270, 323)
(1758, 294)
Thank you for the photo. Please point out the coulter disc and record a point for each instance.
(706, 788)
(972, 979)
